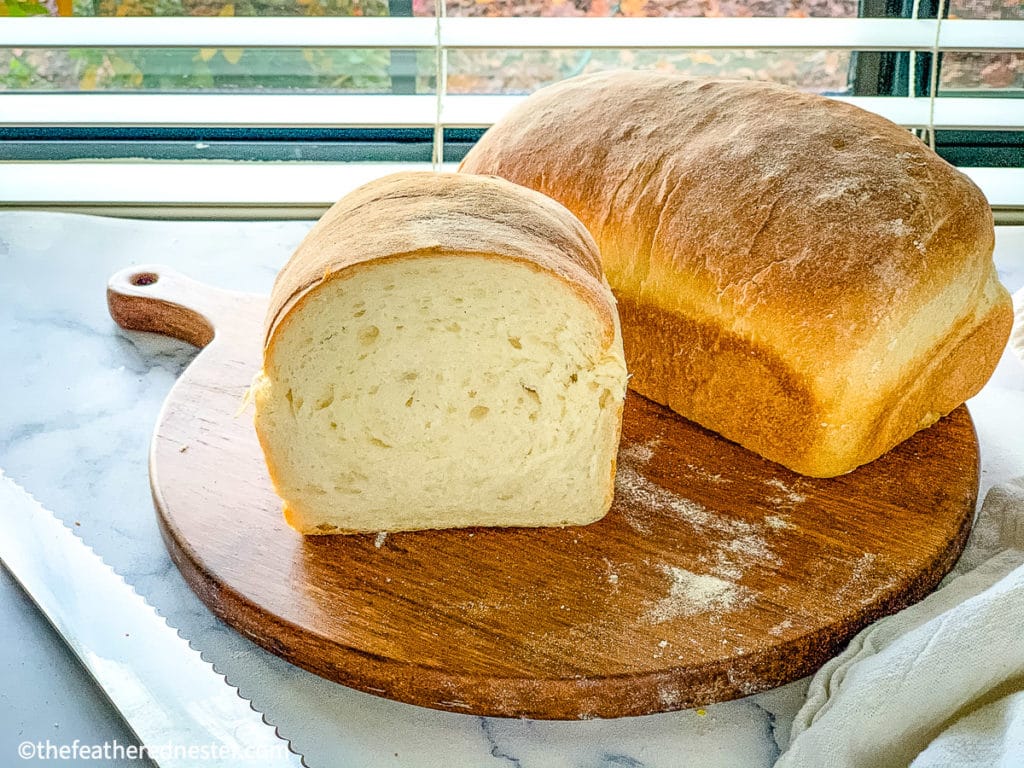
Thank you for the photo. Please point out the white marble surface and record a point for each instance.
(79, 401)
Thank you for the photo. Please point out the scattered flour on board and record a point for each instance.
(739, 544)
(612, 574)
(725, 565)
(691, 593)
(705, 475)
(862, 567)
(750, 546)
(639, 453)
(670, 696)
(379, 541)
(781, 627)
(863, 574)
(645, 496)
(744, 684)
(789, 497)
(734, 556)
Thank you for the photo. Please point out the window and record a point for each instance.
(407, 81)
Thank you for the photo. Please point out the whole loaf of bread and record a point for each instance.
(799, 275)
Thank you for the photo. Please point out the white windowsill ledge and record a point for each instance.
(271, 189)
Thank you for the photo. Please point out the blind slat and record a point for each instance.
(217, 32)
(271, 184)
(526, 33)
(397, 111)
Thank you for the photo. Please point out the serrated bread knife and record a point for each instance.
(182, 711)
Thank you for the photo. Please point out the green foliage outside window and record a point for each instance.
(226, 69)
(497, 71)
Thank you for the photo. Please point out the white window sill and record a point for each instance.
(271, 189)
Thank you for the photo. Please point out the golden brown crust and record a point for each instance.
(734, 377)
(406, 215)
(817, 255)
(746, 394)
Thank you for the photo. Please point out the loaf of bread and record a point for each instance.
(441, 351)
(801, 276)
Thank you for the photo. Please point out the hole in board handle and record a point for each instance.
(144, 278)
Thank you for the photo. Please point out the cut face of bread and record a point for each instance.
(436, 392)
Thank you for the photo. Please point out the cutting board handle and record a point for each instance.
(155, 298)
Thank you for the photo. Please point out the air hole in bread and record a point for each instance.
(325, 400)
(294, 402)
(531, 393)
(369, 334)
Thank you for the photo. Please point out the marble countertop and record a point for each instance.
(80, 400)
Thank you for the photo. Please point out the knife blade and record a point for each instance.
(183, 712)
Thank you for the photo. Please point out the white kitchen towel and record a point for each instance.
(940, 684)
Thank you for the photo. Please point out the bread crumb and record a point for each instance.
(663, 643)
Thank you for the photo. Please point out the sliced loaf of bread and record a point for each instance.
(442, 351)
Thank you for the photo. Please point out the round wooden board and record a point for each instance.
(715, 575)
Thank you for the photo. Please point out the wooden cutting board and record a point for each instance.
(715, 575)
